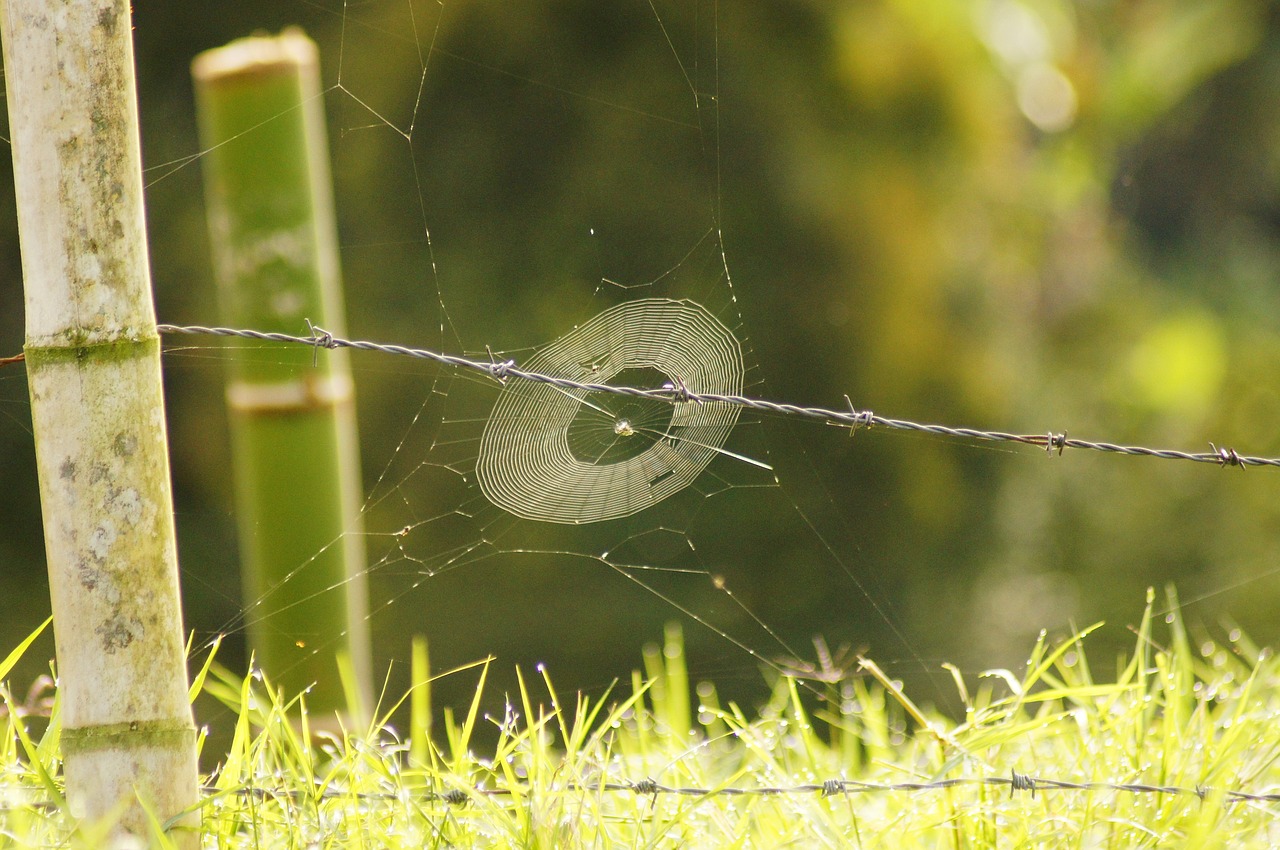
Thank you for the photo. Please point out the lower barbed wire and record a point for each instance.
(649, 787)
(676, 392)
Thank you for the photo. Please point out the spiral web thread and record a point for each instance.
(526, 464)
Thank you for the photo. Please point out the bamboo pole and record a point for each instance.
(294, 443)
(97, 411)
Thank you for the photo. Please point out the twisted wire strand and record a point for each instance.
(677, 392)
(1015, 782)
(459, 796)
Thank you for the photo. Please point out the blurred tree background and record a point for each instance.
(1027, 215)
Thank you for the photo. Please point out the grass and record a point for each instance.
(568, 771)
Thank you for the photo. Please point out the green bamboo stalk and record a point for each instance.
(97, 409)
(419, 702)
(293, 430)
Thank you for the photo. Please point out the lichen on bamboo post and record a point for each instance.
(274, 241)
(97, 410)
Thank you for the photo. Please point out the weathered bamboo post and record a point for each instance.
(274, 240)
(97, 410)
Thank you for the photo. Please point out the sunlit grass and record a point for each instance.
(572, 771)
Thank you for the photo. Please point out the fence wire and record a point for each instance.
(652, 789)
(1015, 782)
(676, 392)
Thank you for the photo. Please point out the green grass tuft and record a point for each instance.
(571, 771)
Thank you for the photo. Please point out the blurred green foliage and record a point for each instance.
(1029, 215)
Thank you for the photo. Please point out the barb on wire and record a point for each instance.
(498, 369)
(323, 339)
(676, 391)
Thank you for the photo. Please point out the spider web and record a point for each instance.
(572, 456)
(635, 516)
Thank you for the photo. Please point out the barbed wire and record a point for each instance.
(460, 796)
(676, 392)
(1016, 782)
